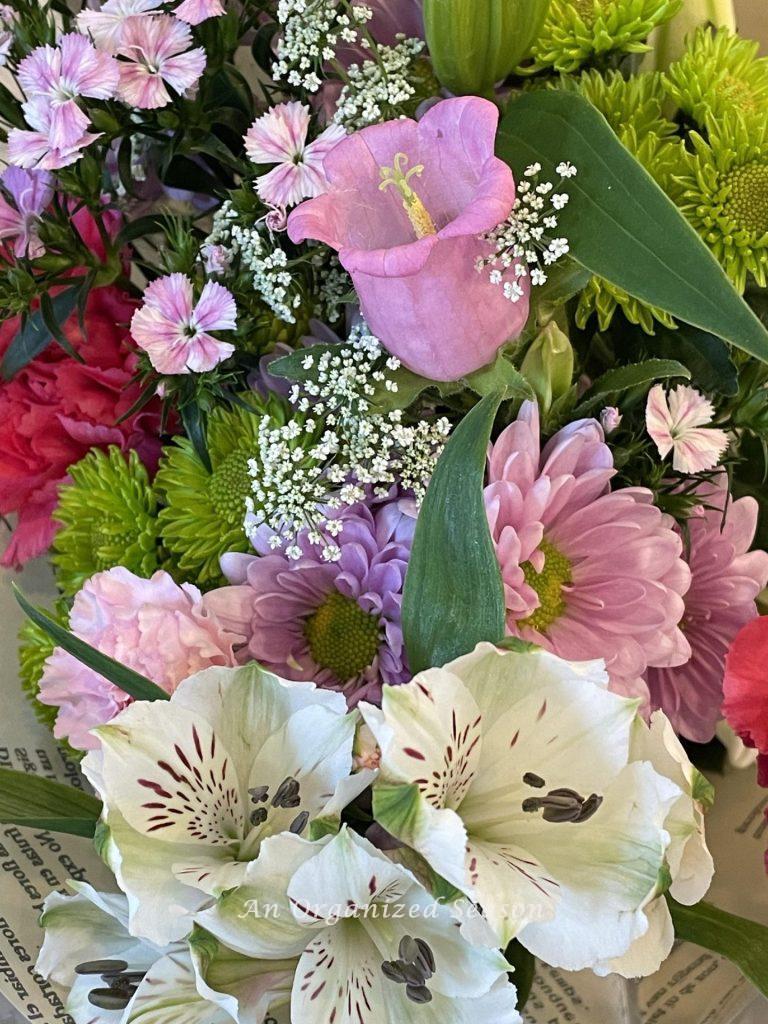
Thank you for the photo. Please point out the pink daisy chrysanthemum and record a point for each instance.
(726, 577)
(335, 623)
(55, 76)
(157, 54)
(280, 137)
(174, 331)
(588, 572)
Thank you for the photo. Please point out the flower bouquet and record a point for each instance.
(387, 384)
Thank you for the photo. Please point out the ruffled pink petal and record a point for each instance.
(196, 11)
(68, 123)
(216, 309)
(92, 72)
(171, 295)
(279, 135)
(141, 88)
(183, 71)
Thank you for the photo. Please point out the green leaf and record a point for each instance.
(35, 802)
(500, 376)
(625, 377)
(34, 336)
(740, 940)
(453, 596)
(194, 426)
(132, 683)
(706, 356)
(292, 366)
(619, 223)
(524, 966)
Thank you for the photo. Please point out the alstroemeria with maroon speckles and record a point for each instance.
(510, 773)
(405, 208)
(192, 786)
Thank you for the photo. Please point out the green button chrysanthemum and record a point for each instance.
(109, 517)
(633, 108)
(35, 646)
(204, 513)
(719, 73)
(576, 32)
(724, 194)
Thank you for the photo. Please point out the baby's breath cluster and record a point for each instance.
(312, 30)
(336, 450)
(377, 89)
(268, 263)
(523, 243)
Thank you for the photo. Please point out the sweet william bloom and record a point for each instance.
(196, 11)
(405, 206)
(726, 577)
(39, 146)
(745, 690)
(59, 75)
(157, 54)
(30, 193)
(104, 26)
(280, 137)
(510, 774)
(587, 572)
(374, 947)
(174, 331)
(160, 629)
(336, 623)
(193, 786)
(677, 424)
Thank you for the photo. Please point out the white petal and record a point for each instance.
(168, 995)
(646, 954)
(247, 989)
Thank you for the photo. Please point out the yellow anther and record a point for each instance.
(398, 177)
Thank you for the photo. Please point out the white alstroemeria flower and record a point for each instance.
(510, 774)
(689, 864)
(114, 978)
(193, 785)
(374, 946)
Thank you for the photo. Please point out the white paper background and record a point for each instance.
(693, 988)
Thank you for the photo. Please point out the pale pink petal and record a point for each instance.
(26, 149)
(279, 135)
(105, 26)
(206, 352)
(216, 309)
(282, 186)
(658, 420)
(172, 296)
(196, 11)
(689, 408)
(141, 88)
(701, 448)
(39, 72)
(90, 71)
(68, 123)
(184, 71)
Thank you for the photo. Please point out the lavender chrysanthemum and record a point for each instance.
(335, 623)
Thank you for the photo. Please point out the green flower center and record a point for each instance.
(747, 203)
(342, 637)
(548, 585)
(739, 93)
(229, 485)
(110, 540)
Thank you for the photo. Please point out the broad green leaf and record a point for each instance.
(194, 425)
(524, 967)
(453, 596)
(620, 225)
(35, 802)
(625, 377)
(706, 356)
(132, 683)
(740, 940)
(35, 336)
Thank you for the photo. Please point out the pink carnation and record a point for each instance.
(588, 572)
(157, 54)
(726, 577)
(54, 410)
(105, 25)
(160, 629)
(677, 422)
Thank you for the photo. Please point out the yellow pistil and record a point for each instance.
(417, 212)
(548, 584)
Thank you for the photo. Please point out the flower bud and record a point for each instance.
(610, 418)
(668, 42)
(548, 365)
(476, 43)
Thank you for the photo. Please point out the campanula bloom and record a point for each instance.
(174, 330)
(280, 137)
(405, 206)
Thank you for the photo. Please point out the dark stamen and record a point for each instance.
(531, 779)
(299, 823)
(418, 994)
(259, 794)
(101, 967)
(563, 805)
(287, 794)
(108, 999)
(425, 958)
(259, 816)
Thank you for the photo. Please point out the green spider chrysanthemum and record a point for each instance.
(203, 517)
(35, 646)
(724, 194)
(633, 108)
(578, 31)
(109, 517)
(719, 73)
